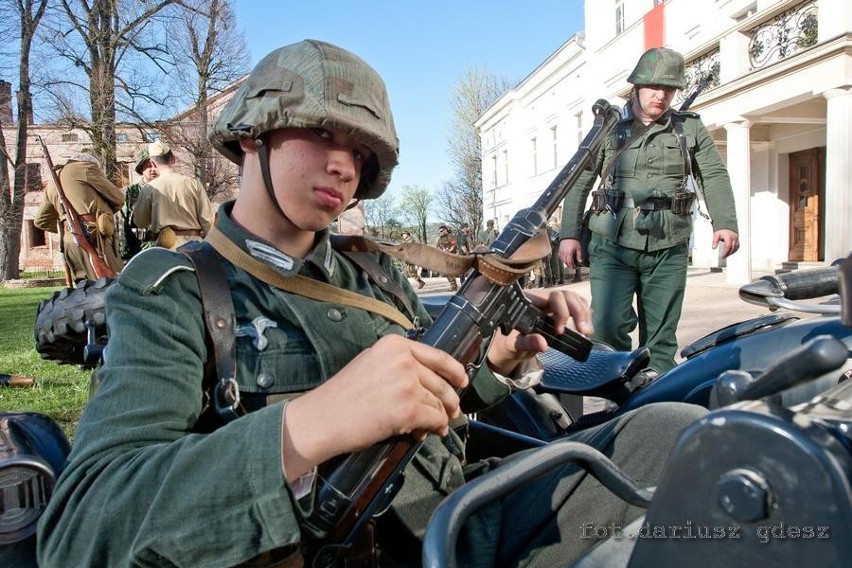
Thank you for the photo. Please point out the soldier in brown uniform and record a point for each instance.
(96, 200)
(174, 208)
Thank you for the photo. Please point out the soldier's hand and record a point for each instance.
(508, 351)
(730, 242)
(397, 386)
(570, 252)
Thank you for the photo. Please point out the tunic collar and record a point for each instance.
(320, 258)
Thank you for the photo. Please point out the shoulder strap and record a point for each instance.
(688, 172)
(220, 321)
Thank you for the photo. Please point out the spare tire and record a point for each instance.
(61, 322)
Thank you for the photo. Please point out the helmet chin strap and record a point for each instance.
(263, 155)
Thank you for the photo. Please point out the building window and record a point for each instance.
(580, 133)
(506, 164)
(121, 137)
(534, 147)
(619, 17)
(70, 137)
(555, 147)
(494, 169)
(32, 181)
(37, 238)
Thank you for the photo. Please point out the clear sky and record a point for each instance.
(421, 49)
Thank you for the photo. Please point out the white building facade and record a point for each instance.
(779, 105)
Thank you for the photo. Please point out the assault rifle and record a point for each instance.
(353, 488)
(75, 224)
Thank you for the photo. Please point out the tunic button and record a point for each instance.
(334, 314)
(265, 380)
(383, 279)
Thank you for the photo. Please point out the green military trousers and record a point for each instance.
(657, 279)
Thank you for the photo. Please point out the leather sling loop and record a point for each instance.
(498, 270)
(300, 285)
(220, 322)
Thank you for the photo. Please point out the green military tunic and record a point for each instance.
(641, 251)
(654, 162)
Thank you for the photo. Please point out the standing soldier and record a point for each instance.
(174, 207)
(489, 235)
(411, 270)
(447, 242)
(642, 223)
(96, 200)
(129, 242)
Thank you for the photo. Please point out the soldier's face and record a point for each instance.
(149, 171)
(315, 173)
(651, 101)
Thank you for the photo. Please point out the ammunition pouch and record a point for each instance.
(683, 202)
(614, 200)
(598, 202)
(106, 224)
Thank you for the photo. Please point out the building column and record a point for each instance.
(838, 174)
(738, 266)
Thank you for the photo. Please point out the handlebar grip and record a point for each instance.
(818, 356)
(806, 284)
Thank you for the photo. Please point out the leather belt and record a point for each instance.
(656, 204)
(90, 218)
(187, 232)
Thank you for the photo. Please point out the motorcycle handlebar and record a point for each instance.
(780, 290)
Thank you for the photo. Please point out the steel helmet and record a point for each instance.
(659, 66)
(314, 84)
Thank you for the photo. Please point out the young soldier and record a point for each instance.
(173, 207)
(640, 235)
(312, 129)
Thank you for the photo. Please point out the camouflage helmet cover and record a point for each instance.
(314, 84)
(141, 157)
(659, 66)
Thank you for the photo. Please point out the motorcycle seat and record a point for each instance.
(606, 373)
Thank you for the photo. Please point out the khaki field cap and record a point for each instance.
(659, 66)
(157, 149)
(314, 84)
(141, 158)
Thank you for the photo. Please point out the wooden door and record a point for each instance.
(805, 195)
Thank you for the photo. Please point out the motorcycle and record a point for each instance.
(753, 483)
(622, 378)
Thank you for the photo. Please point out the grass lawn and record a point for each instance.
(61, 391)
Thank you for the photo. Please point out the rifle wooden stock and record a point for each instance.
(354, 487)
(16, 381)
(75, 224)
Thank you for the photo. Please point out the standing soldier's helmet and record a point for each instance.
(313, 84)
(141, 158)
(659, 66)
